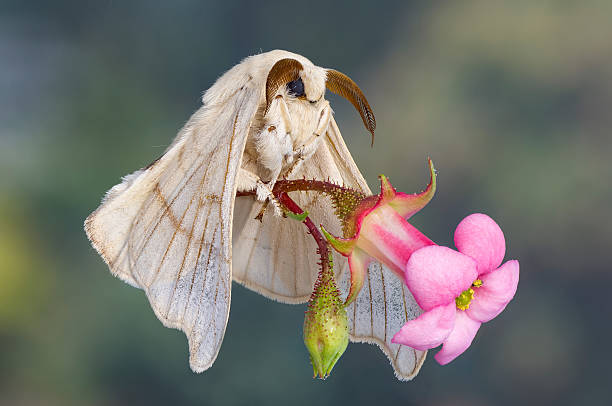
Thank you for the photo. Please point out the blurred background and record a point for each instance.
(511, 99)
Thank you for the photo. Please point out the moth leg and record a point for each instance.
(273, 143)
(274, 177)
(264, 194)
(247, 181)
(309, 147)
(262, 211)
(324, 118)
(284, 113)
(287, 144)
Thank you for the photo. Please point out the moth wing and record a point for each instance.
(167, 228)
(278, 259)
(382, 307)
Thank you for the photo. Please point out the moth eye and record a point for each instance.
(296, 88)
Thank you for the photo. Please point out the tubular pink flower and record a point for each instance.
(381, 231)
(466, 286)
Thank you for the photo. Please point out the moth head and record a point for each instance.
(308, 82)
(303, 81)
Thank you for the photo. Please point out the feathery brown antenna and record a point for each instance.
(283, 72)
(341, 84)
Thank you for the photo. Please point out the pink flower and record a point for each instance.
(458, 291)
(378, 230)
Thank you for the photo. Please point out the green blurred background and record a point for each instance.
(511, 99)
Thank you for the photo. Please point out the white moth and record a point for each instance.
(177, 230)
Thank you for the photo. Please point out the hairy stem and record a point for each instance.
(280, 191)
(325, 329)
(323, 247)
(344, 200)
(295, 185)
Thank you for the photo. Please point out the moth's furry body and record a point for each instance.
(176, 229)
(285, 136)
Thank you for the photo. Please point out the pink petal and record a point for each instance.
(481, 238)
(498, 288)
(428, 330)
(437, 275)
(459, 339)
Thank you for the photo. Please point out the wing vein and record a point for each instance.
(212, 319)
(176, 230)
(384, 289)
(175, 192)
(195, 269)
(195, 320)
(399, 348)
(405, 305)
(165, 212)
(138, 217)
(225, 193)
(195, 218)
(355, 316)
(275, 252)
(371, 304)
(253, 248)
(416, 364)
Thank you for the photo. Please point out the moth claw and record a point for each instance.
(261, 211)
(264, 194)
(278, 212)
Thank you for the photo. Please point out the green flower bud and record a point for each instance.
(325, 326)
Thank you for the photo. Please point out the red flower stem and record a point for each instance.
(291, 205)
(280, 192)
(296, 185)
(345, 200)
(307, 185)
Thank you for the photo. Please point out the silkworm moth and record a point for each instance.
(177, 230)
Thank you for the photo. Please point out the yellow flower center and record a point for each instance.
(465, 298)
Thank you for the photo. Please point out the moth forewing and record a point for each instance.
(169, 229)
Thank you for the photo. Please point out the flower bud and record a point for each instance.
(325, 326)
